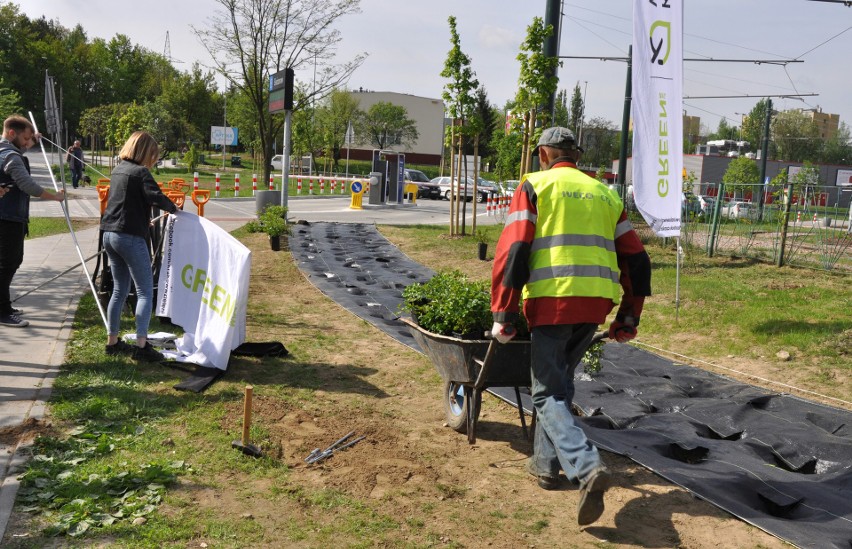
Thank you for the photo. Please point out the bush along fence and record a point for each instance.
(800, 226)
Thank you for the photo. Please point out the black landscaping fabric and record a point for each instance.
(779, 462)
(357, 267)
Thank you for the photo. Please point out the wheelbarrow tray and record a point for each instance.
(460, 360)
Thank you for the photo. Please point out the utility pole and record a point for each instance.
(625, 124)
(583, 113)
(764, 153)
(553, 17)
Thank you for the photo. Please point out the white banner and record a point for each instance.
(224, 135)
(203, 288)
(658, 112)
(844, 178)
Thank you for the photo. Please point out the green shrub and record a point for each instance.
(450, 304)
(273, 221)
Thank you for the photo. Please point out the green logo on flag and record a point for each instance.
(666, 30)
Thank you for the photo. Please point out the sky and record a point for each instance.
(407, 43)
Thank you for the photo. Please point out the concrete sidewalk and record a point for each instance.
(31, 356)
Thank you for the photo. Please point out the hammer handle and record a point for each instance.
(247, 415)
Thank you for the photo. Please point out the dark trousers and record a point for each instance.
(11, 256)
(76, 176)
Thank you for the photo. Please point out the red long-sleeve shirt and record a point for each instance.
(511, 271)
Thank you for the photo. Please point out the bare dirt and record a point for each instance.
(423, 476)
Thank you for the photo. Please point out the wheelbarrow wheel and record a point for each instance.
(456, 403)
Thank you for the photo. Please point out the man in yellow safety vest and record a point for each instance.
(570, 252)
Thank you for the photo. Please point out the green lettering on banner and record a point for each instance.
(663, 148)
(211, 294)
(217, 294)
(200, 278)
(187, 283)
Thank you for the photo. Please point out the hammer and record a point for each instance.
(243, 444)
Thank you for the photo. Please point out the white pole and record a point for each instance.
(677, 280)
(285, 160)
(71, 229)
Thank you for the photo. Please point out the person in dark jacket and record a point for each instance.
(75, 162)
(16, 188)
(132, 194)
(569, 249)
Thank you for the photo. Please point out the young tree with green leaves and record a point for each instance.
(386, 124)
(250, 39)
(575, 111)
(460, 103)
(333, 117)
(536, 82)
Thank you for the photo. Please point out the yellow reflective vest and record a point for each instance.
(573, 251)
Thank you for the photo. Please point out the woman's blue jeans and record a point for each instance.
(129, 258)
(559, 441)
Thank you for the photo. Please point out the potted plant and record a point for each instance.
(273, 221)
(482, 244)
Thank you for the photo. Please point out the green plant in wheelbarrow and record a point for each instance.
(452, 305)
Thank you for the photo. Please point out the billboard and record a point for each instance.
(221, 135)
(844, 178)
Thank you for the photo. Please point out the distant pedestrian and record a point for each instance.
(132, 193)
(17, 188)
(75, 162)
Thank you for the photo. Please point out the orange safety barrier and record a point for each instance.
(176, 197)
(200, 198)
(101, 181)
(103, 195)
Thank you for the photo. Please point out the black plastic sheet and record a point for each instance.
(779, 462)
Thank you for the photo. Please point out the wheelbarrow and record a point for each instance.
(469, 367)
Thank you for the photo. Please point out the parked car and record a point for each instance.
(707, 204)
(487, 188)
(736, 209)
(443, 183)
(689, 205)
(510, 186)
(425, 187)
(277, 162)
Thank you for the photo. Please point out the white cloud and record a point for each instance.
(491, 36)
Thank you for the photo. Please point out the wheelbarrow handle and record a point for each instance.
(486, 364)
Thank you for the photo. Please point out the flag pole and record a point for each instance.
(70, 228)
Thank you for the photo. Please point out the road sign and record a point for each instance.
(220, 135)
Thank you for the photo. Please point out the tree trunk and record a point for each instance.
(475, 183)
(526, 145)
(452, 174)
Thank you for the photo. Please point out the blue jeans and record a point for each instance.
(559, 441)
(129, 257)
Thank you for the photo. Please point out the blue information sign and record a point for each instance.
(356, 187)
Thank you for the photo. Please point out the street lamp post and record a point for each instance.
(224, 126)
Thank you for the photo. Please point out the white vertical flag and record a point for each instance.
(658, 112)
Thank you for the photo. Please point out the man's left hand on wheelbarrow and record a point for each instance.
(503, 332)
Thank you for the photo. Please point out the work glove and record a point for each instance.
(503, 332)
(623, 331)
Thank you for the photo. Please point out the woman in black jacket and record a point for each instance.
(132, 193)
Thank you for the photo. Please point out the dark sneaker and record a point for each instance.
(18, 312)
(546, 482)
(13, 321)
(147, 353)
(592, 490)
(120, 348)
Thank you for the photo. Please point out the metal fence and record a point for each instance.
(810, 227)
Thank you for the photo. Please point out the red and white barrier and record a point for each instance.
(271, 182)
(311, 186)
(195, 181)
(236, 184)
(253, 184)
(299, 185)
(217, 185)
(322, 185)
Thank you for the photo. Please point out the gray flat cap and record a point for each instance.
(558, 138)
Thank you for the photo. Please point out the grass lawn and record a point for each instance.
(130, 462)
